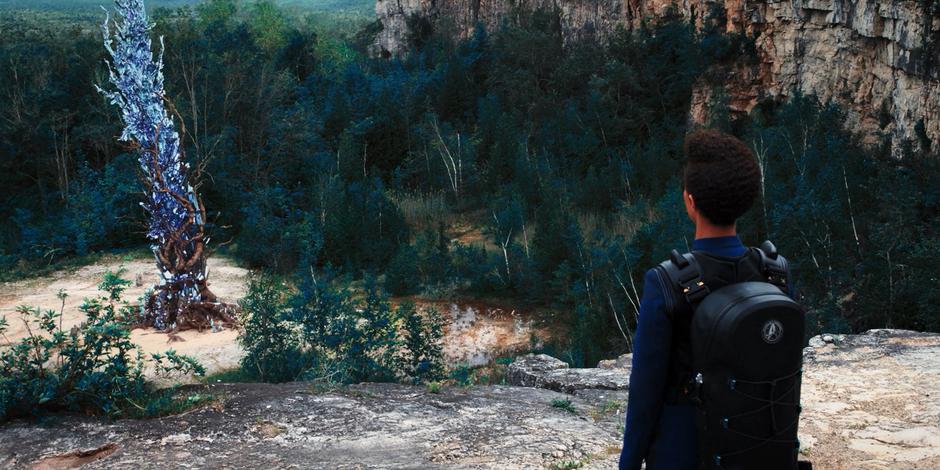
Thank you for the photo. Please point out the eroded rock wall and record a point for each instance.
(880, 59)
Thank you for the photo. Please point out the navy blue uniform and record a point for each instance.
(663, 435)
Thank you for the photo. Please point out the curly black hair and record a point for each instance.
(721, 174)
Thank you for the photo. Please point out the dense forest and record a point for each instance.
(510, 165)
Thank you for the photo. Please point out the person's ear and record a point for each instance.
(689, 204)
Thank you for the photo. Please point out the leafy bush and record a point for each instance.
(434, 387)
(356, 225)
(423, 357)
(369, 343)
(92, 368)
(271, 344)
(320, 333)
(426, 262)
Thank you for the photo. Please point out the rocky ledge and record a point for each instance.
(870, 401)
(361, 426)
(543, 371)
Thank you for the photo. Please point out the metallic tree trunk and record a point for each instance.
(182, 298)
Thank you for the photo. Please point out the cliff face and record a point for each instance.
(880, 59)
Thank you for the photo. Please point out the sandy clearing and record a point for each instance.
(475, 333)
(216, 351)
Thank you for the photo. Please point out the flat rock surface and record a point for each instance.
(872, 401)
(362, 426)
(869, 403)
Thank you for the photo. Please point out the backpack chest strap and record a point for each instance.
(685, 273)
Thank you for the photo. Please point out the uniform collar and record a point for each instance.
(731, 242)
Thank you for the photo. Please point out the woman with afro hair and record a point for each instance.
(720, 182)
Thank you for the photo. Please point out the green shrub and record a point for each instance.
(423, 356)
(320, 333)
(272, 346)
(92, 368)
(462, 374)
(95, 215)
(370, 346)
(566, 465)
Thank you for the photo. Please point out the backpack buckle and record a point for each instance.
(695, 290)
(774, 267)
(685, 276)
(777, 277)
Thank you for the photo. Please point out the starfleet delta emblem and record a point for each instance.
(772, 332)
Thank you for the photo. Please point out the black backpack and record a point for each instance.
(737, 355)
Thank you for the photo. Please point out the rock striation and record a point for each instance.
(870, 401)
(879, 59)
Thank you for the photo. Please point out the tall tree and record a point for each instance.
(182, 298)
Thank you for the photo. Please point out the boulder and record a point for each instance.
(625, 361)
(543, 371)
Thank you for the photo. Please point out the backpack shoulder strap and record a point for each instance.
(681, 276)
(774, 266)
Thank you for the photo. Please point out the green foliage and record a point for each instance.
(233, 375)
(320, 333)
(427, 262)
(563, 404)
(607, 408)
(423, 356)
(401, 275)
(268, 25)
(91, 368)
(513, 163)
(369, 335)
(567, 464)
(272, 347)
(857, 225)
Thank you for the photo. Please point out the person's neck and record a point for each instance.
(708, 230)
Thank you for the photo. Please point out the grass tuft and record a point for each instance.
(564, 404)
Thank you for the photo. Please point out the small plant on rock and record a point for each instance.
(563, 404)
(434, 387)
